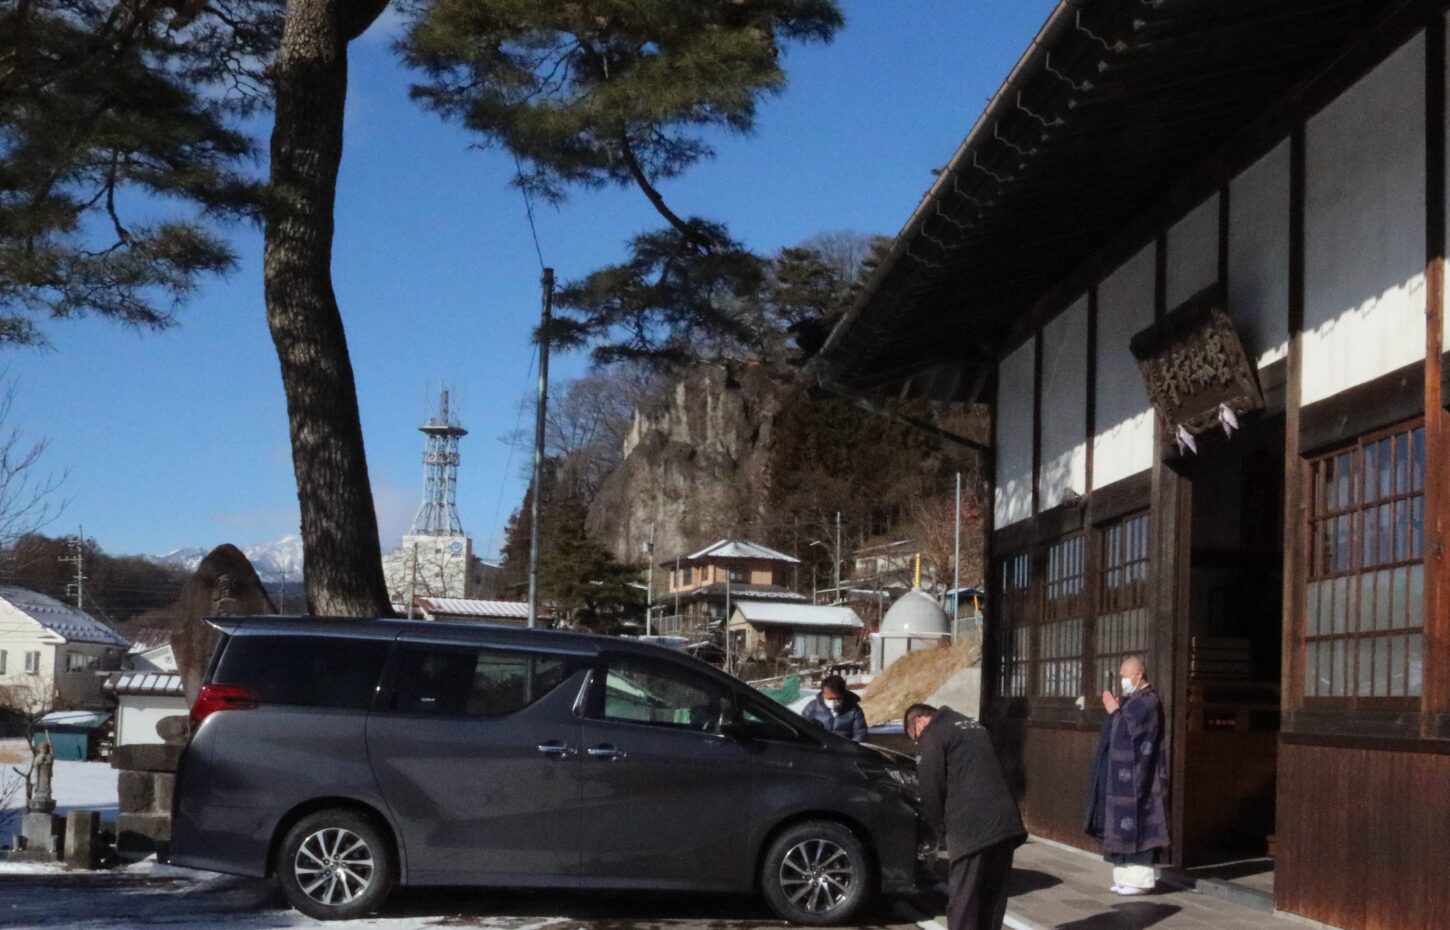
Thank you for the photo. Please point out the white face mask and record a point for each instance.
(833, 703)
(1128, 686)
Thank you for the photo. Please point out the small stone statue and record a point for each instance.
(41, 801)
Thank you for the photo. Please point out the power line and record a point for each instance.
(528, 208)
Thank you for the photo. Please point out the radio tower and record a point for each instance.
(439, 514)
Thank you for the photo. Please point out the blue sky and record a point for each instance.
(180, 438)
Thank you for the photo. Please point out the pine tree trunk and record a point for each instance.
(343, 562)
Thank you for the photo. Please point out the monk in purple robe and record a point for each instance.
(1134, 775)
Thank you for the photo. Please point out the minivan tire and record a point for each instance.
(336, 864)
(817, 874)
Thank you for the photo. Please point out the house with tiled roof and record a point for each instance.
(703, 583)
(47, 645)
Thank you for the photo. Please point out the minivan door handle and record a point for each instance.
(606, 751)
(555, 748)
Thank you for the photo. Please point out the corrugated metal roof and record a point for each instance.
(739, 549)
(754, 592)
(469, 607)
(144, 683)
(73, 718)
(61, 619)
(774, 613)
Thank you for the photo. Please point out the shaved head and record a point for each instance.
(1134, 668)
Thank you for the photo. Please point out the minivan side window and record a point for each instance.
(470, 682)
(307, 671)
(761, 723)
(661, 694)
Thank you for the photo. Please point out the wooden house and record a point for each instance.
(1192, 255)
(702, 583)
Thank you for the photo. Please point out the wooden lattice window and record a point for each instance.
(1122, 625)
(1365, 598)
(1015, 614)
(1064, 606)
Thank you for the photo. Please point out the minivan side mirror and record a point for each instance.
(731, 723)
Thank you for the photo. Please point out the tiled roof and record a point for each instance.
(775, 614)
(739, 549)
(143, 683)
(149, 637)
(61, 619)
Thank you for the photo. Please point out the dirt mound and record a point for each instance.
(913, 677)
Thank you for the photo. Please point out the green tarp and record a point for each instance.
(788, 693)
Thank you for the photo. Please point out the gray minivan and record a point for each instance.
(348, 756)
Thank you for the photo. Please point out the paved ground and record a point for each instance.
(92, 901)
(1055, 889)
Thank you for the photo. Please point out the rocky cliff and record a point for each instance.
(695, 465)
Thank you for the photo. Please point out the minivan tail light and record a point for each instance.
(221, 697)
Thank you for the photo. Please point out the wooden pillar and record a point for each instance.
(1171, 530)
(992, 630)
(1296, 556)
(1091, 418)
(1437, 443)
(1036, 423)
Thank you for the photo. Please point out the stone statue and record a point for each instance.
(41, 800)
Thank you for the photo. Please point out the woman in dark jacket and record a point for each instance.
(837, 709)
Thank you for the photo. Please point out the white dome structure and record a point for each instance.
(914, 612)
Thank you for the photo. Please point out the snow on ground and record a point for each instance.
(130, 900)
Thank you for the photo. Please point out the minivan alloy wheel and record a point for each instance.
(334, 866)
(816, 875)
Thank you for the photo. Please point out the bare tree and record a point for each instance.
(28, 493)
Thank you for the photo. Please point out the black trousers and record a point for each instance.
(977, 888)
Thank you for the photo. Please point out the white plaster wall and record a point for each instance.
(1123, 445)
(1193, 252)
(19, 635)
(1365, 228)
(138, 714)
(1014, 437)
(1258, 256)
(1064, 406)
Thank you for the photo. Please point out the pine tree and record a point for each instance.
(622, 92)
(119, 153)
(339, 524)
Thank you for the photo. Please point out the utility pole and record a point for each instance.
(957, 561)
(725, 627)
(837, 599)
(649, 597)
(675, 582)
(539, 420)
(77, 557)
(282, 598)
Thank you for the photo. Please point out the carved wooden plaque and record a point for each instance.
(1194, 364)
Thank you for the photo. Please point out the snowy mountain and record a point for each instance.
(275, 562)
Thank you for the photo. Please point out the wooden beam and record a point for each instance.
(1437, 443)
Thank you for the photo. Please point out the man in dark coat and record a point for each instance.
(964, 796)
(1127, 805)
(838, 709)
